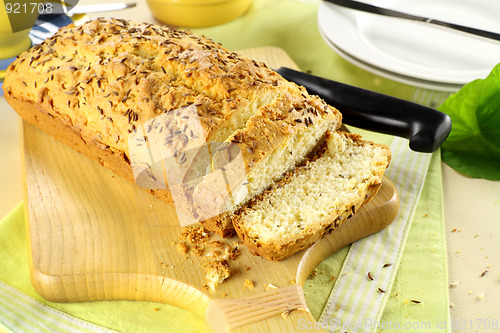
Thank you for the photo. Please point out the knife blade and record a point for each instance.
(369, 8)
(426, 128)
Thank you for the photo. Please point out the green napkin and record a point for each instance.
(421, 275)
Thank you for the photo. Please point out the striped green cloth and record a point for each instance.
(20, 312)
(370, 292)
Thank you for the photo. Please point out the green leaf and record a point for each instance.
(472, 166)
(473, 146)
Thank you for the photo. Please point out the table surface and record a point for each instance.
(472, 214)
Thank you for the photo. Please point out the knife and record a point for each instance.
(364, 7)
(425, 127)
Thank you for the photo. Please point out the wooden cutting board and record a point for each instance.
(95, 236)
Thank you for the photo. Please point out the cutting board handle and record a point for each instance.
(367, 221)
(224, 315)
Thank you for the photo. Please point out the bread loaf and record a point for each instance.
(313, 199)
(94, 86)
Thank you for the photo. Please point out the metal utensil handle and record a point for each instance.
(369, 8)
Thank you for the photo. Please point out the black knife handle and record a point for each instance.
(426, 128)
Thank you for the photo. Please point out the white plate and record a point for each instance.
(391, 75)
(411, 51)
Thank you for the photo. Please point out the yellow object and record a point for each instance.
(14, 43)
(197, 13)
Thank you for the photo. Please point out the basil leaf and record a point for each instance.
(473, 146)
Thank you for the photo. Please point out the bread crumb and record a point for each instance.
(285, 313)
(198, 250)
(216, 272)
(454, 283)
(271, 286)
(194, 234)
(214, 253)
(182, 247)
(248, 284)
(156, 309)
(480, 296)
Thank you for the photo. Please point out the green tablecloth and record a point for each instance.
(421, 275)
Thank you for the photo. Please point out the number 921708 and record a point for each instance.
(29, 8)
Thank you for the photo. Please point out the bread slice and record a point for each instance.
(313, 199)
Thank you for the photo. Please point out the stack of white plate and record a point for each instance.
(411, 52)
